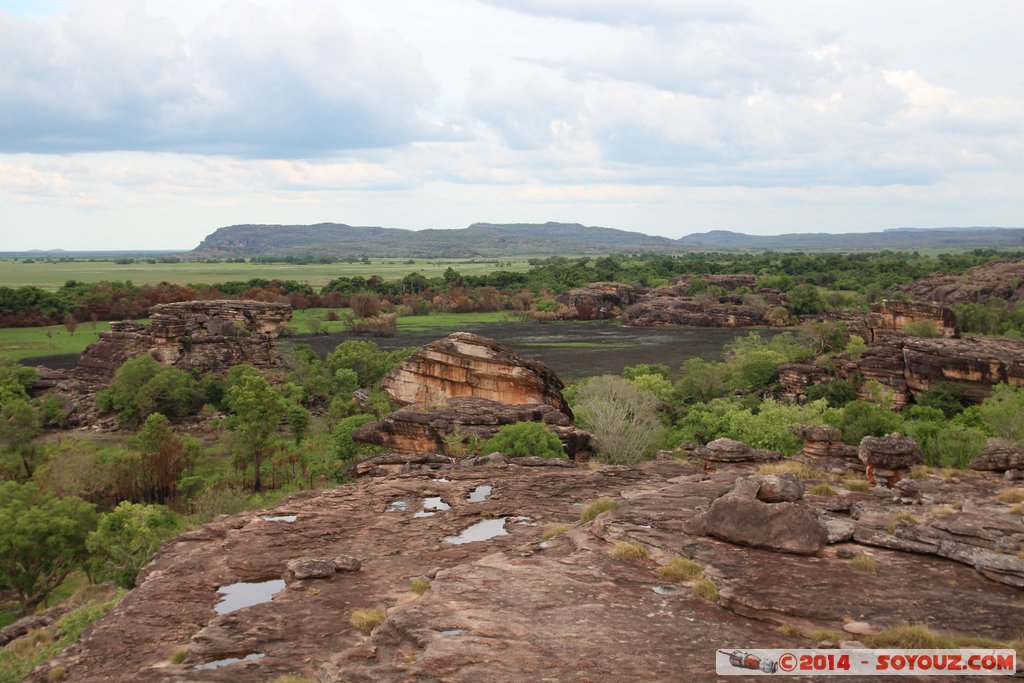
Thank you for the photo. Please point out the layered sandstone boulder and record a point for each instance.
(599, 300)
(459, 423)
(910, 366)
(468, 365)
(730, 450)
(823, 442)
(787, 527)
(999, 455)
(202, 336)
(888, 458)
(890, 316)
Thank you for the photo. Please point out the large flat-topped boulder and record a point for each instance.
(464, 364)
(891, 315)
(205, 336)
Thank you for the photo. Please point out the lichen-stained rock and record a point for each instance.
(999, 455)
(658, 311)
(464, 364)
(910, 366)
(428, 428)
(787, 527)
(203, 336)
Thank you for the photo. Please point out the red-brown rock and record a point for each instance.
(468, 365)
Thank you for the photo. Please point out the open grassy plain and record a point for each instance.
(52, 274)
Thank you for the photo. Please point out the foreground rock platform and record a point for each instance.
(516, 607)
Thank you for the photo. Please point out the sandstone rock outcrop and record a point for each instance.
(599, 300)
(730, 450)
(513, 607)
(786, 527)
(910, 366)
(888, 458)
(997, 280)
(204, 336)
(684, 302)
(892, 315)
(464, 364)
(428, 429)
(771, 488)
(999, 455)
(823, 442)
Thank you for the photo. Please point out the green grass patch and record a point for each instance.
(51, 276)
(822, 490)
(18, 343)
(425, 323)
(41, 645)
(596, 507)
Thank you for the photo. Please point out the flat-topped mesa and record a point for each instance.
(464, 364)
(204, 336)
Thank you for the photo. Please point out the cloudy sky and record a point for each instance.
(149, 123)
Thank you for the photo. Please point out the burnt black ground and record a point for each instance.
(619, 346)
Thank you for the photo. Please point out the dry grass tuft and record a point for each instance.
(864, 564)
(419, 585)
(624, 550)
(1011, 496)
(802, 470)
(680, 568)
(365, 620)
(551, 532)
(920, 637)
(789, 630)
(833, 636)
(706, 589)
(596, 507)
(179, 656)
(856, 485)
(56, 674)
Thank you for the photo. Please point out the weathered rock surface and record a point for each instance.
(515, 607)
(771, 488)
(599, 300)
(823, 442)
(787, 527)
(425, 428)
(891, 315)
(909, 366)
(888, 458)
(204, 336)
(730, 450)
(998, 280)
(464, 364)
(692, 312)
(999, 455)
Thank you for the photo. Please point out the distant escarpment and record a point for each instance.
(489, 239)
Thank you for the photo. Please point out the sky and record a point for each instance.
(147, 124)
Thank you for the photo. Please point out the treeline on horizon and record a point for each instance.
(866, 274)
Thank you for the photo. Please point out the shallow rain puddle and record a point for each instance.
(239, 595)
(480, 493)
(667, 590)
(282, 518)
(481, 531)
(397, 506)
(442, 480)
(453, 631)
(231, 660)
(431, 505)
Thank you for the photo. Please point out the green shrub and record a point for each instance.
(365, 359)
(945, 397)
(634, 371)
(1003, 412)
(143, 386)
(345, 448)
(622, 418)
(944, 444)
(862, 418)
(837, 392)
(596, 507)
(923, 328)
(525, 439)
(680, 569)
(126, 539)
